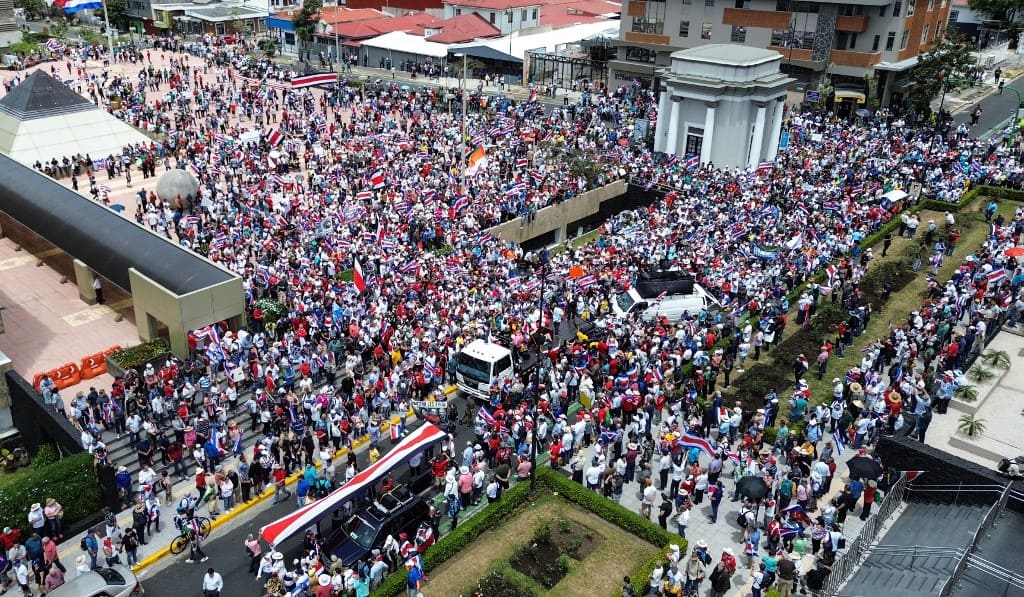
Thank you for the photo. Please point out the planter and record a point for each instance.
(116, 370)
(113, 368)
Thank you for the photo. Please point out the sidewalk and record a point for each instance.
(158, 544)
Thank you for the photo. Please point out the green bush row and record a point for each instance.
(71, 481)
(138, 355)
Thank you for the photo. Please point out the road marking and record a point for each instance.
(20, 260)
(94, 313)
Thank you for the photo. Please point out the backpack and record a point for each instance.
(741, 519)
(323, 488)
(768, 579)
(83, 544)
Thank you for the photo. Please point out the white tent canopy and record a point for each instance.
(401, 41)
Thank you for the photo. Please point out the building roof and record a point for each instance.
(464, 27)
(411, 23)
(401, 41)
(220, 12)
(495, 5)
(587, 7)
(334, 14)
(107, 242)
(551, 16)
(42, 96)
(734, 54)
(547, 40)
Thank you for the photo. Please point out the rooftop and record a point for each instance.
(727, 54)
(496, 5)
(465, 27)
(42, 96)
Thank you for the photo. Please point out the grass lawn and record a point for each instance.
(599, 573)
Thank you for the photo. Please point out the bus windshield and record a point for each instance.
(474, 368)
(625, 302)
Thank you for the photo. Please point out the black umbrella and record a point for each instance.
(752, 487)
(863, 467)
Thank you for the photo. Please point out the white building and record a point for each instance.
(723, 103)
(506, 15)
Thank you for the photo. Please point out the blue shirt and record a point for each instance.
(414, 577)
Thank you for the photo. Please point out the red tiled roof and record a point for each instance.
(550, 15)
(336, 14)
(413, 23)
(462, 28)
(587, 7)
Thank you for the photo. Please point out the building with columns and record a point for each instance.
(723, 103)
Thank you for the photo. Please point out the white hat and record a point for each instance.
(324, 580)
(463, 470)
(729, 551)
(277, 556)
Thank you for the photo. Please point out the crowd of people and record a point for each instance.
(297, 186)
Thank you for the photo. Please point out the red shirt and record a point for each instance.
(279, 475)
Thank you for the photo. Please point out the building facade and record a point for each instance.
(506, 15)
(847, 39)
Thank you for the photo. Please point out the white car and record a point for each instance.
(116, 581)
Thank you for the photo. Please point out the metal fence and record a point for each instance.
(859, 547)
(965, 559)
(958, 491)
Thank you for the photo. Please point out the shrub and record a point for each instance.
(140, 354)
(70, 481)
(751, 387)
(46, 456)
(271, 309)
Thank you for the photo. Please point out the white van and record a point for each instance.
(672, 307)
(481, 364)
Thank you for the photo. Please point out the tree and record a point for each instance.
(947, 65)
(306, 22)
(59, 28)
(999, 10)
(970, 425)
(116, 13)
(28, 45)
(34, 9)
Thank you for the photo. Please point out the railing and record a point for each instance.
(986, 524)
(956, 490)
(856, 549)
(1013, 579)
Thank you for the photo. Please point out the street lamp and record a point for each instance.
(540, 263)
(465, 155)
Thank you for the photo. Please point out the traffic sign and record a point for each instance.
(812, 96)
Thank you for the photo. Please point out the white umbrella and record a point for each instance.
(895, 194)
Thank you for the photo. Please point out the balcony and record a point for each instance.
(852, 24)
(745, 17)
(792, 54)
(856, 59)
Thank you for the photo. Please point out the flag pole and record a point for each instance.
(110, 33)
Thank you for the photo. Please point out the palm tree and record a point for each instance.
(971, 426)
(967, 393)
(996, 358)
(981, 374)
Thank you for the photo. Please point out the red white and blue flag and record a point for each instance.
(996, 276)
(689, 440)
(911, 475)
(72, 6)
(313, 80)
(274, 137)
(396, 431)
(357, 277)
(796, 512)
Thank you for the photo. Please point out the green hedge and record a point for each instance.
(70, 481)
(453, 543)
(138, 355)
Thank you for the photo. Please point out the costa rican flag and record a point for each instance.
(522, 163)
(688, 440)
(53, 45)
(797, 512)
(537, 177)
(608, 437)
(485, 238)
(658, 374)
(765, 166)
(487, 417)
(533, 95)
(192, 220)
(840, 441)
(377, 179)
(412, 267)
(692, 162)
(313, 80)
(364, 195)
(396, 431)
(72, 6)
(911, 475)
(357, 277)
(586, 281)
(461, 203)
(274, 137)
(996, 276)
(734, 458)
(832, 272)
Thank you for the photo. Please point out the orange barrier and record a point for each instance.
(66, 376)
(93, 365)
(111, 350)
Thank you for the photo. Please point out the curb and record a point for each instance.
(239, 509)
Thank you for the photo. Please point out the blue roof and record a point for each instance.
(278, 23)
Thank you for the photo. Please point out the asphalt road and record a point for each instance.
(225, 545)
(996, 109)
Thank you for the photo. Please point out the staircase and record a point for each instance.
(918, 553)
(994, 568)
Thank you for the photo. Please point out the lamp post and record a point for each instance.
(539, 262)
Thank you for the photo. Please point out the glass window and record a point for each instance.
(890, 41)
(654, 21)
(954, 15)
(492, 18)
(738, 35)
(924, 33)
(897, 8)
(903, 40)
(705, 31)
(709, 2)
(636, 54)
(508, 16)
(458, 11)
(874, 44)
(523, 16)
(694, 140)
(911, 5)
(853, 41)
(684, 28)
(534, 18)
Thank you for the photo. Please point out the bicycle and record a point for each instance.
(180, 543)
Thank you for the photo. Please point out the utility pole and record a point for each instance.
(462, 143)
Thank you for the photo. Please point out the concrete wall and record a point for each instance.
(38, 423)
(180, 314)
(555, 218)
(6, 421)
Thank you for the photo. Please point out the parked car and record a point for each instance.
(116, 581)
(398, 511)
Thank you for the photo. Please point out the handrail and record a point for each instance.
(986, 524)
(845, 563)
(957, 489)
(923, 549)
(976, 562)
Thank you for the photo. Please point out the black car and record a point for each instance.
(392, 513)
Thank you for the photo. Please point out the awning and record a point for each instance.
(296, 522)
(487, 53)
(848, 94)
(895, 195)
(900, 66)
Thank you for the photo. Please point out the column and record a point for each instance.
(661, 132)
(776, 132)
(672, 147)
(709, 132)
(83, 278)
(758, 140)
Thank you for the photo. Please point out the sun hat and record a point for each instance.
(277, 556)
(324, 580)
